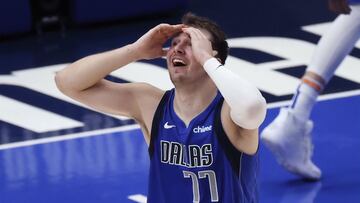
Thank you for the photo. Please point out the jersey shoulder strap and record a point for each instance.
(231, 152)
(156, 121)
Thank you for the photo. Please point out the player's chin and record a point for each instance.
(181, 69)
(177, 74)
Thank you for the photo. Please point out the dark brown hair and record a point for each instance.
(218, 40)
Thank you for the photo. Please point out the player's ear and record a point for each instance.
(214, 52)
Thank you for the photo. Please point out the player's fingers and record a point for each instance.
(172, 29)
(191, 32)
(199, 33)
(345, 7)
(331, 5)
(339, 6)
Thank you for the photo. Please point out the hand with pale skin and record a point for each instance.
(150, 45)
(201, 45)
(339, 6)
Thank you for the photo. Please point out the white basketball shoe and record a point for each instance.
(289, 139)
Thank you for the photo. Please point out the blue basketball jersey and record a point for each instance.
(197, 163)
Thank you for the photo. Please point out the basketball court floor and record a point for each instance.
(53, 149)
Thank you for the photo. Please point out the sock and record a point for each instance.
(304, 100)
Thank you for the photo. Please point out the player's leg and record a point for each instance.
(330, 52)
(289, 135)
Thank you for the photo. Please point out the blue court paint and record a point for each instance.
(337, 142)
(111, 167)
(105, 168)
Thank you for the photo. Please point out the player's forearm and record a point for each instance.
(87, 71)
(248, 106)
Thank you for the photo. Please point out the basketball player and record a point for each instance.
(289, 135)
(202, 149)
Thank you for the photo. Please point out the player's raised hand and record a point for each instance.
(150, 45)
(201, 45)
(339, 6)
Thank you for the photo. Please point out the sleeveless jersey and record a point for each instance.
(197, 163)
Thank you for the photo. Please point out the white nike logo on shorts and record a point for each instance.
(167, 126)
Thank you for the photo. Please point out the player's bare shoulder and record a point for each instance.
(147, 96)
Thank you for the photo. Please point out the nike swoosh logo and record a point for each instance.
(167, 126)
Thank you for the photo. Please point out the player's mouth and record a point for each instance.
(178, 62)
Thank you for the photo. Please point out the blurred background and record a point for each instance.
(55, 31)
(53, 149)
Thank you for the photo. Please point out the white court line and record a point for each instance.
(14, 112)
(68, 137)
(320, 98)
(135, 126)
(138, 198)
